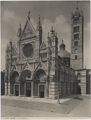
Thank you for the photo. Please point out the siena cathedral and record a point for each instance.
(34, 69)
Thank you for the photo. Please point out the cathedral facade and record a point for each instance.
(34, 69)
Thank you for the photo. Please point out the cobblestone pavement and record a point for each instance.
(76, 107)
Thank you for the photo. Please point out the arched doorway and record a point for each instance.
(25, 83)
(39, 83)
(14, 83)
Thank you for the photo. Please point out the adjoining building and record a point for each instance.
(84, 80)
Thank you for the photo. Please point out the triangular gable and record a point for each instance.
(26, 66)
(13, 67)
(28, 30)
(40, 66)
(43, 46)
(36, 68)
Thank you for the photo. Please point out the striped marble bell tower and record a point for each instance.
(77, 37)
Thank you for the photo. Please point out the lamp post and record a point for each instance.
(58, 77)
(58, 92)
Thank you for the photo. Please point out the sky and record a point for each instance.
(52, 13)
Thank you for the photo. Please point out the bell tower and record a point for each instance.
(77, 39)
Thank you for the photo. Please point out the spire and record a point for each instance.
(19, 31)
(39, 20)
(39, 28)
(20, 25)
(48, 34)
(52, 31)
(10, 42)
(62, 41)
(39, 23)
(52, 28)
(28, 15)
(62, 46)
(77, 11)
(77, 7)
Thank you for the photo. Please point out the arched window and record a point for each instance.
(40, 76)
(25, 75)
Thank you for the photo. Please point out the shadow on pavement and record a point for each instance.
(78, 98)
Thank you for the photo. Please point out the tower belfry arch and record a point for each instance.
(77, 4)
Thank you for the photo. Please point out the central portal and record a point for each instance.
(41, 91)
(28, 89)
(39, 83)
(25, 78)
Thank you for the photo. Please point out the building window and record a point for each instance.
(76, 50)
(76, 36)
(76, 43)
(75, 57)
(76, 29)
(75, 19)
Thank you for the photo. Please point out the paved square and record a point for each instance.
(19, 108)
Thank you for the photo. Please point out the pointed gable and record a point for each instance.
(43, 46)
(13, 67)
(28, 30)
(26, 66)
(40, 65)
